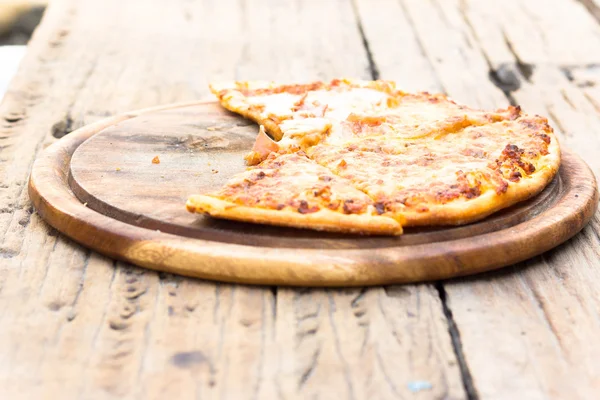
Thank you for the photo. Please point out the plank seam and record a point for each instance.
(592, 8)
(373, 70)
(503, 77)
(465, 373)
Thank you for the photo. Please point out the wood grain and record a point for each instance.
(100, 329)
(529, 52)
(77, 324)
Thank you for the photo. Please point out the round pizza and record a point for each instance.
(364, 157)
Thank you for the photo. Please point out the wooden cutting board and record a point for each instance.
(99, 186)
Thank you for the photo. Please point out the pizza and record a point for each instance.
(364, 157)
(293, 190)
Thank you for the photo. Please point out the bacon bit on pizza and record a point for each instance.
(472, 192)
(502, 186)
(305, 209)
(261, 175)
(468, 189)
(511, 155)
(334, 205)
(347, 206)
(444, 196)
(322, 192)
(350, 207)
(379, 207)
(545, 138)
(515, 176)
(156, 160)
(342, 164)
(528, 167)
(512, 151)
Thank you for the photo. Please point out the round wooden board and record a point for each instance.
(98, 186)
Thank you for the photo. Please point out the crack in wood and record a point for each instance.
(592, 101)
(526, 69)
(356, 300)
(573, 74)
(311, 368)
(503, 76)
(457, 345)
(386, 377)
(67, 124)
(62, 127)
(556, 121)
(421, 46)
(338, 348)
(217, 305)
(566, 99)
(541, 305)
(274, 303)
(263, 341)
(592, 8)
(373, 70)
(88, 255)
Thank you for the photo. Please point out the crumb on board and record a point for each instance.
(85, 204)
(118, 168)
(156, 160)
(214, 171)
(211, 128)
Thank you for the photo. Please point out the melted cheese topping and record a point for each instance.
(391, 152)
(294, 182)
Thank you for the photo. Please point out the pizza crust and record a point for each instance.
(323, 220)
(237, 104)
(471, 210)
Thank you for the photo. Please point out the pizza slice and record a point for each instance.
(270, 104)
(292, 190)
(449, 179)
(301, 116)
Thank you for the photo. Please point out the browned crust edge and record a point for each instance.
(324, 220)
(459, 213)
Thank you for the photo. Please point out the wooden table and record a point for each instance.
(74, 324)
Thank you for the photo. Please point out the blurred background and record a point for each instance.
(18, 19)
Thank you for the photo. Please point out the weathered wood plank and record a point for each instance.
(516, 327)
(80, 326)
